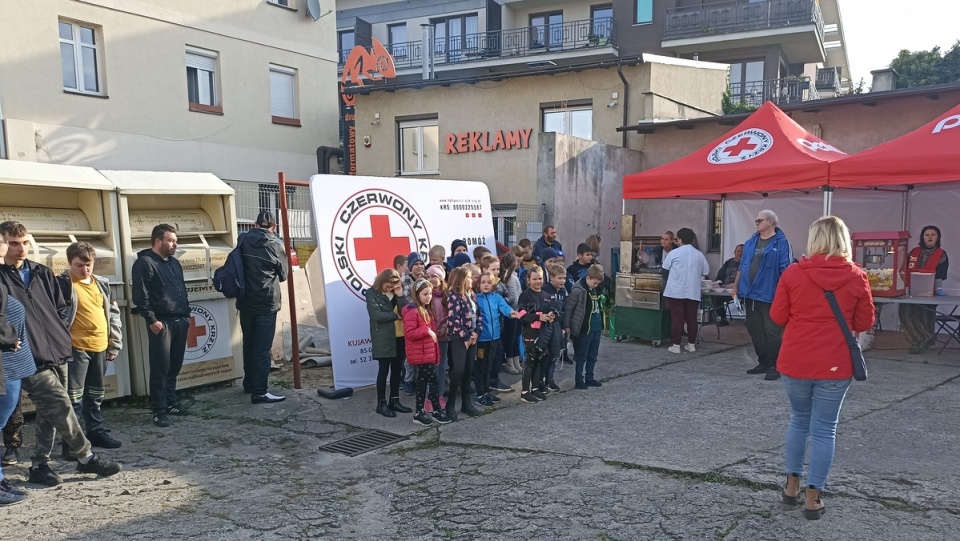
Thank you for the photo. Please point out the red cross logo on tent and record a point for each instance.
(381, 247)
(195, 331)
(742, 145)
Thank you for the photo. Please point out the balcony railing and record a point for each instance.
(740, 16)
(517, 42)
(829, 79)
(780, 91)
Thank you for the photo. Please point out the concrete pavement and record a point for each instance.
(671, 447)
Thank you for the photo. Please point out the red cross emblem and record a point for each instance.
(381, 247)
(194, 332)
(743, 145)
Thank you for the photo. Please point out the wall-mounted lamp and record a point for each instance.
(376, 119)
(612, 104)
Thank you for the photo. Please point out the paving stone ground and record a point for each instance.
(671, 447)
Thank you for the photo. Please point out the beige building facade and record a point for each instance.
(238, 88)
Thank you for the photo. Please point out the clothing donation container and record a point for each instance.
(200, 207)
(882, 255)
(59, 205)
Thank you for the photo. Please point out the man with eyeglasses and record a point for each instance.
(766, 255)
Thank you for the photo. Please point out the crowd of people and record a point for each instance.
(444, 329)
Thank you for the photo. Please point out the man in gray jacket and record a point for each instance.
(264, 267)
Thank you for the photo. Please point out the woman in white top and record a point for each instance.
(685, 266)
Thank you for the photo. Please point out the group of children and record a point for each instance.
(441, 329)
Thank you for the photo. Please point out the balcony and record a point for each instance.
(828, 80)
(569, 40)
(780, 91)
(796, 25)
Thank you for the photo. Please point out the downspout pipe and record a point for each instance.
(626, 102)
(323, 158)
(3, 135)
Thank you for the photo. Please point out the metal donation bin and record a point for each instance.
(60, 205)
(201, 208)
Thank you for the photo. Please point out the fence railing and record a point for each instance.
(780, 91)
(740, 16)
(517, 42)
(828, 79)
(253, 197)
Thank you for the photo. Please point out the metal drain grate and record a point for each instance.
(363, 442)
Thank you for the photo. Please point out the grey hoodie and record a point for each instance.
(110, 309)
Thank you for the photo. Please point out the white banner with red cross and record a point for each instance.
(363, 223)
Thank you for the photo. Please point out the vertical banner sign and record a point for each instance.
(362, 224)
(360, 65)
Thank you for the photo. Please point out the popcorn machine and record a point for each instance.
(882, 255)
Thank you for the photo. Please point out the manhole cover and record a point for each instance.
(363, 442)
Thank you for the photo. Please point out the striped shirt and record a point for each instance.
(18, 364)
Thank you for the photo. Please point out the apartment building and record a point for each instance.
(238, 88)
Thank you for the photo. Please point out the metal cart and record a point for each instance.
(640, 312)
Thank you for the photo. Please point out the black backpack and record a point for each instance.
(229, 278)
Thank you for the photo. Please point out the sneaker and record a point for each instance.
(500, 387)
(161, 419)
(9, 494)
(580, 386)
(11, 457)
(772, 375)
(65, 452)
(593, 383)
(408, 388)
(478, 401)
(759, 369)
(538, 395)
(488, 400)
(690, 347)
(441, 417)
(101, 439)
(422, 419)
(99, 466)
(493, 398)
(674, 348)
(528, 398)
(178, 411)
(43, 475)
(553, 387)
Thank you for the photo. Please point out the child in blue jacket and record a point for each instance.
(491, 306)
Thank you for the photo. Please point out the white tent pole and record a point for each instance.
(827, 200)
(905, 216)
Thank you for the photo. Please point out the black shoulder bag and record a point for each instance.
(856, 354)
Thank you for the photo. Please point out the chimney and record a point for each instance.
(885, 79)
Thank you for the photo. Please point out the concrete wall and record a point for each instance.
(142, 119)
(581, 183)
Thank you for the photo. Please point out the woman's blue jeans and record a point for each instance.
(8, 403)
(815, 410)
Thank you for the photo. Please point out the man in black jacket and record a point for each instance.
(264, 267)
(35, 286)
(160, 297)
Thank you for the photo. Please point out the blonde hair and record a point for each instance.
(556, 269)
(458, 280)
(595, 272)
(829, 236)
(387, 276)
(494, 280)
(437, 251)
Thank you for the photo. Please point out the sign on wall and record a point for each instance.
(474, 141)
(362, 225)
(359, 66)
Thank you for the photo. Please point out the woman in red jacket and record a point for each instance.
(420, 339)
(814, 358)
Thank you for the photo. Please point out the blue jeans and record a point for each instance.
(815, 410)
(8, 403)
(586, 347)
(258, 332)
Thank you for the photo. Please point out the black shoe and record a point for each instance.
(469, 410)
(538, 395)
(161, 419)
(266, 398)
(178, 411)
(65, 452)
(451, 411)
(441, 417)
(772, 375)
(101, 439)
(552, 385)
(99, 466)
(567, 360)
(43, 475)
(759, 369)
(593, 383)
(580, 386)
(384, 410)
(11, 457)
(422, 419)
(396, 406)
(500, 387)
(493, 399)
(528, 398)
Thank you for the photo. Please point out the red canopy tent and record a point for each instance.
(768, 152)
(926, 155)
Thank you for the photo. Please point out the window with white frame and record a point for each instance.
(80, 56)
(202, 84)
(283, 91)
(419, 147)
(576, 121)
(284, 3)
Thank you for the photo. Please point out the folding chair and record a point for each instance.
(948, 324)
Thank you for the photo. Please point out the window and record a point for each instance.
(456, 36)
(346, 41)
(284, 3)
(546, 31)
(283, 95)
(602, 19)
(419, 147)
(576, 121)
(716, 226)
(398, 40)
(80, 58)
(644, 12)
(202, 85)
(746, 82)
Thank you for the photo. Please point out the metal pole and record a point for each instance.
(294, 335)
(425, 49)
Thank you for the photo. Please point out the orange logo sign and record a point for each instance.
(362, 64)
